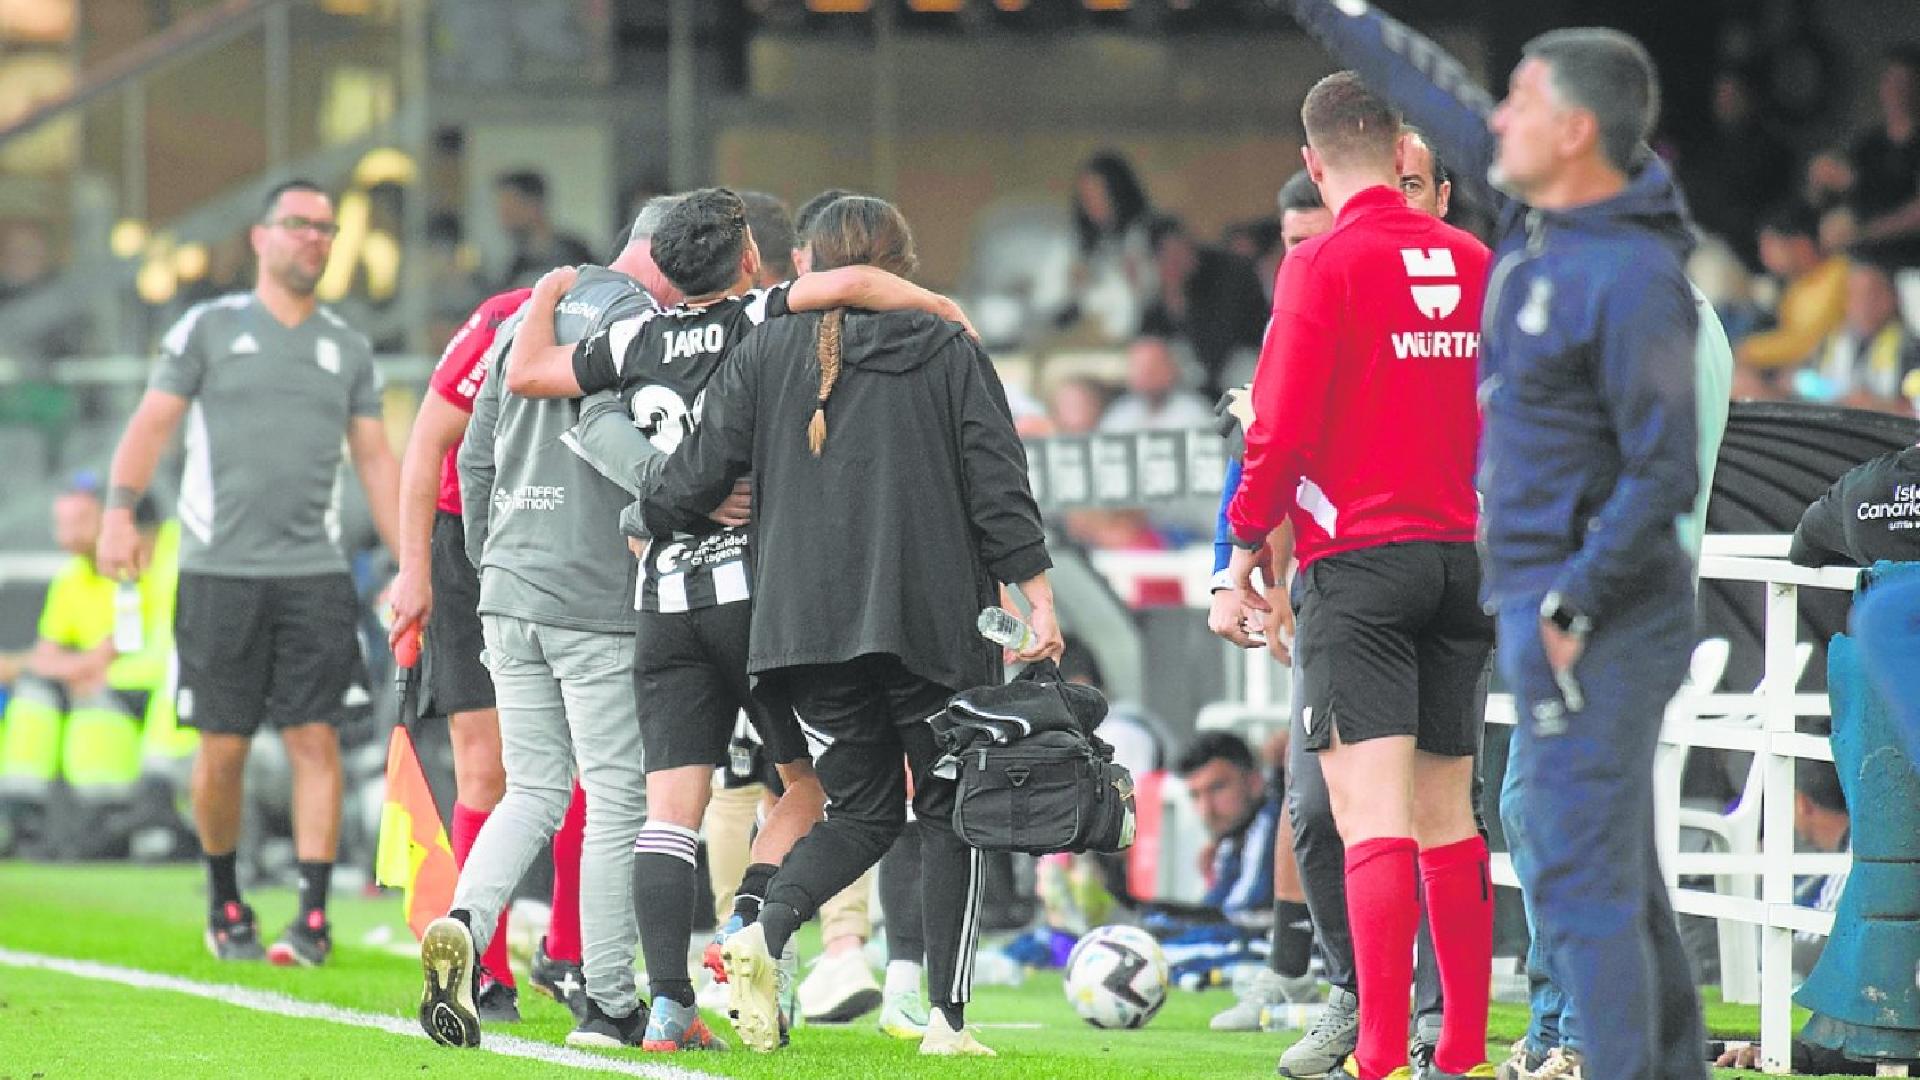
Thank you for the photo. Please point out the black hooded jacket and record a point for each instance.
(894, 538)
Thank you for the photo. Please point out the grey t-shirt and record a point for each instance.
(265, 433)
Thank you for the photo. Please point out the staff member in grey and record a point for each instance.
(555, 582)
(266, 382)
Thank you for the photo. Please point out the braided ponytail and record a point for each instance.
(827, 350)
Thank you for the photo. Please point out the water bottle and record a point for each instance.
(129, 631)
(1004, 628)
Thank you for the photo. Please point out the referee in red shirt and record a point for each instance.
(1365, 437)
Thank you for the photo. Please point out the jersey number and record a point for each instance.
(662, 416)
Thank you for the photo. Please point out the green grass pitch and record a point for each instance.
(56, 1026)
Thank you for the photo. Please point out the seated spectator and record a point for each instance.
(1229, 928)
(1076, 405)
(1107, 276)
(1820, 821)
(1154, 400)
(1258, 242)
(1878, 175)
(1722, 278)
(1812, 301)
(1864, 363)
(520, 199)
(1207, 298)
(1739, 169)
(73, 726)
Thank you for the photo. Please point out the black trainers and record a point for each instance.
(447, 1012)
(496, 1002)
(598, 1030)
(232, 933)
(560, 980)
(306, 942)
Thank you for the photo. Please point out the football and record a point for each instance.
(1117, 977)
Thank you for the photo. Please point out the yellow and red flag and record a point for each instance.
(414, 852)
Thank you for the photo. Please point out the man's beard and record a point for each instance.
(291, 277)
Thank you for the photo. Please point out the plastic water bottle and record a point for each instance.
(1004, 628)
(129, 631)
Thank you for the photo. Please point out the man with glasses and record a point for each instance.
(267, 383)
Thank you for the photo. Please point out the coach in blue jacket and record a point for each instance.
(1587, 460)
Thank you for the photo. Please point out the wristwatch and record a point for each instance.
(1564, 616)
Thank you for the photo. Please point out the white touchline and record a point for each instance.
(267, 1001)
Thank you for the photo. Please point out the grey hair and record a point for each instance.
(647, 221)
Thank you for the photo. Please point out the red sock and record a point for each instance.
(1383, 907)
(466, 827)
(1460, 912)
(563, 933)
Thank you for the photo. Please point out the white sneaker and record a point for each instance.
(1257, 993)
(946, 1042)
(839, 990)
(903, 1015)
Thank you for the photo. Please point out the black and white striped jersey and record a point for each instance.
(660, 362)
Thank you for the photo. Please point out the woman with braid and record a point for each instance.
(890, 503)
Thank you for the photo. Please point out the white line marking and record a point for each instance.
(267, 1001)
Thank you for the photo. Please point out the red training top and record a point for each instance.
(1365, 420)
(461, 371)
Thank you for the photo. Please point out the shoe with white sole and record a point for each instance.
(753, 1000)
(943, 1041)
(839, 990)
(903, 1015)
(447, 1012)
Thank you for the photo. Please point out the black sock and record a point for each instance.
(223, 879)
(956, 1014)
(752, 891)
(1292, 951)
(663, 897)
(464, 917)
(314, 877)
(778, 921)
(679, 991)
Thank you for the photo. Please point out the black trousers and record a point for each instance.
(862, 717)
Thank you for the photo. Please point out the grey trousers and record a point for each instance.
(563, 695)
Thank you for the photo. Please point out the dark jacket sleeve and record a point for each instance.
(1646, 376)
(699, 474)
(1429, 86)
(993, 464)
(1821, 537)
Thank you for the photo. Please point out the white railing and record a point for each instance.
(1759, 722)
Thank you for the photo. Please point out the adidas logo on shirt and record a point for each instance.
(245, 344)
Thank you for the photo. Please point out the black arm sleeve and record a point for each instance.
(1821, 537)
(1006, 520)
(1429, 86)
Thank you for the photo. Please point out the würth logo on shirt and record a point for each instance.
(1435, 286)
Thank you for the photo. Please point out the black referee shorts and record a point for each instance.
(690, 683)
(1393, 641)
(456, 680)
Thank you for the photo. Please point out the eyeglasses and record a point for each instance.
(295, 223)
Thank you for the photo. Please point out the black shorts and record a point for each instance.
(1393, 641)
(278, 651)
(456, 680)
(690, 683)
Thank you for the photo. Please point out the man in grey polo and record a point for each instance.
(556, 588)
(266, 383)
